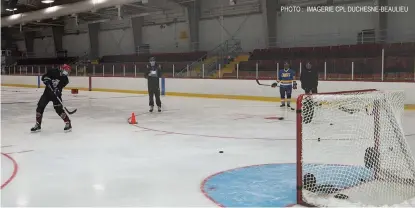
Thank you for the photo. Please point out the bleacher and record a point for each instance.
(134, 65)
(46, 61)
(113, 65)
(343, 62)
(335, 62)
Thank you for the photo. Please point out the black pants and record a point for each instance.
(154, 92)
(310, 90)
(44, 101)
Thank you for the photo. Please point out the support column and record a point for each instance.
(137, 25)
(57, 38)
(193, 15)
(6, 35)
(382, 33)
(271, 19)
(29, 39)
(93, 31)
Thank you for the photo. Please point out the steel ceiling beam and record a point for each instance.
(61, 10)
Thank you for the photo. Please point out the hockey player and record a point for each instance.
(153, 76)
(309, 79)
(55, 80)
(286, 78)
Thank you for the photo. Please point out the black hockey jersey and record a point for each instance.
(58, 80)
(153, 76)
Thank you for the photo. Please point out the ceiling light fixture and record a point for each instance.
(47, 1)
(10, 10)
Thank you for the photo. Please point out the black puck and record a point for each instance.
(318, 139)
(220, 151)
(341, 196)
(331, 124)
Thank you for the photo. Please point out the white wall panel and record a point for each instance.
(326, 28)
(248, 28)
(208, 4)
(116, 42)
(44, 47)
(76, 45)
(168, 39)
(21, 45)
(401, 25)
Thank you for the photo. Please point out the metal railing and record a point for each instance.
(327, 73)
(353, 71)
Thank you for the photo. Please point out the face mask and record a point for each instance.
(152, 63)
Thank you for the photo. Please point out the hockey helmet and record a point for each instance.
(66, 69)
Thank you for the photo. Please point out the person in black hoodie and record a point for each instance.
(309, 83)
(309, 79)
(153, 76)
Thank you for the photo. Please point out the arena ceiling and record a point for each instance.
(10, 7)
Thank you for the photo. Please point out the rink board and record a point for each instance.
(209, 88)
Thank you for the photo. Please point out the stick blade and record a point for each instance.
(72, 112)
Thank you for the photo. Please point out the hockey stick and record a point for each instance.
(60, 101)
(257, 81)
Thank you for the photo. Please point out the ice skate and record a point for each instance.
(151, 109)
(282, 105)
(159, 109)
(36, 128)
(289, 106)
(68, 127)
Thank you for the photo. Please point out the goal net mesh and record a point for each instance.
(352, 150)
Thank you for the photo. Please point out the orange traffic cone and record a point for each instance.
(133, 121)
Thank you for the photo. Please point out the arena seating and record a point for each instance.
(399, 61)
(122, 65)
(164, 57)
(46, 61)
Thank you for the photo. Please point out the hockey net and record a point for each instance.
(351, 150)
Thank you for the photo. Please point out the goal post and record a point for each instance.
(351, 149)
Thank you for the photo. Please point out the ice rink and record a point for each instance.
(164, 160)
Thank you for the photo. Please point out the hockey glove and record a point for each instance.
(275, 84)
(57, 92)
(47, 81)
(294, 85)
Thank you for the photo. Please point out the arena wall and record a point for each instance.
(336, 29)
(81, 47)
(209, 88)
(247, 25)
(250, 29)
(398, 28)
(116, 42)
(44, 47)
(167, 39)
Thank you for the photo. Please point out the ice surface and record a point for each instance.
(159, 162)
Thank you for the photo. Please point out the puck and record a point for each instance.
(331, 124)
(318, 139)
(281, 118)
(221, 151)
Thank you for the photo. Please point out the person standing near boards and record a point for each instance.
(309, 83)
(153, 76)
(309, 79)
